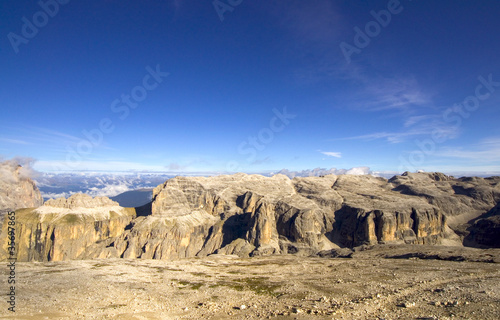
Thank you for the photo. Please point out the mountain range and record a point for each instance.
(251, 215)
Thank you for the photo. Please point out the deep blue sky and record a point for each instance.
(214, 111)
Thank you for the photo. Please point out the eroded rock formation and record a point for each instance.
(251, 215)
(64, 229)
(17, 190)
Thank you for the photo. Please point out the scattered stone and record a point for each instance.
(297, 310)
(408, 304)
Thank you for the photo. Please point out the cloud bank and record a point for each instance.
(19, 168)
(323, 172)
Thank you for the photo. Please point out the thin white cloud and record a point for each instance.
(323, 172)
(95, 165)
(392, 137)
(10, 172)
(53, 140)
(332, 154)
(487, 150)
(358, 171)
(423, 125)
(55, 195)
(109, 190)
(51, 135)
(396, 93)
(413, 120)
(14, 141)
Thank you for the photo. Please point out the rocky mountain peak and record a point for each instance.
(250, 215)
(81, 200)
(17, 190)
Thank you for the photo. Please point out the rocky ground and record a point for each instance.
(384, 282)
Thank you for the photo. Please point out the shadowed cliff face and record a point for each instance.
(484, 232)
(251, 215)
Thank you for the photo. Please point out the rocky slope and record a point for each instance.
(484, 232)
(17, 190)
(252, 215)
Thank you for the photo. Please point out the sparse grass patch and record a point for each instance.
(100, 265)
(189, 285)
(114, 306)
(201, 274)
(259, 285)
(71, 218)
(163, 269)
(54, 271)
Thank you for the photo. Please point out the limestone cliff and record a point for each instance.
(63, 229)
(255, 215)
(460, 199)
(251, 215)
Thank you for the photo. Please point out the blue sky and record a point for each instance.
(271, 85)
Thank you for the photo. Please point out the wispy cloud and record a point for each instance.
(51, 140)
(50, 135)
(14, 141)
(96, 165)
(414, 126)
(413, 120)
(316, 172)
(332, 154)
(317, 21)
(392, 92)
(11, 173)
(487, 150)
(396, 94)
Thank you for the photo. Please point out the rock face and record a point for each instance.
(484, 232)
(17, 190)
(64, 229)
(250, 215)
(461, 199)
(78, 201)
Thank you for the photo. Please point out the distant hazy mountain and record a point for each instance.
(134, 198)
(54, 185)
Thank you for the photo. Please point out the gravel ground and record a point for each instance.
(386, 282)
